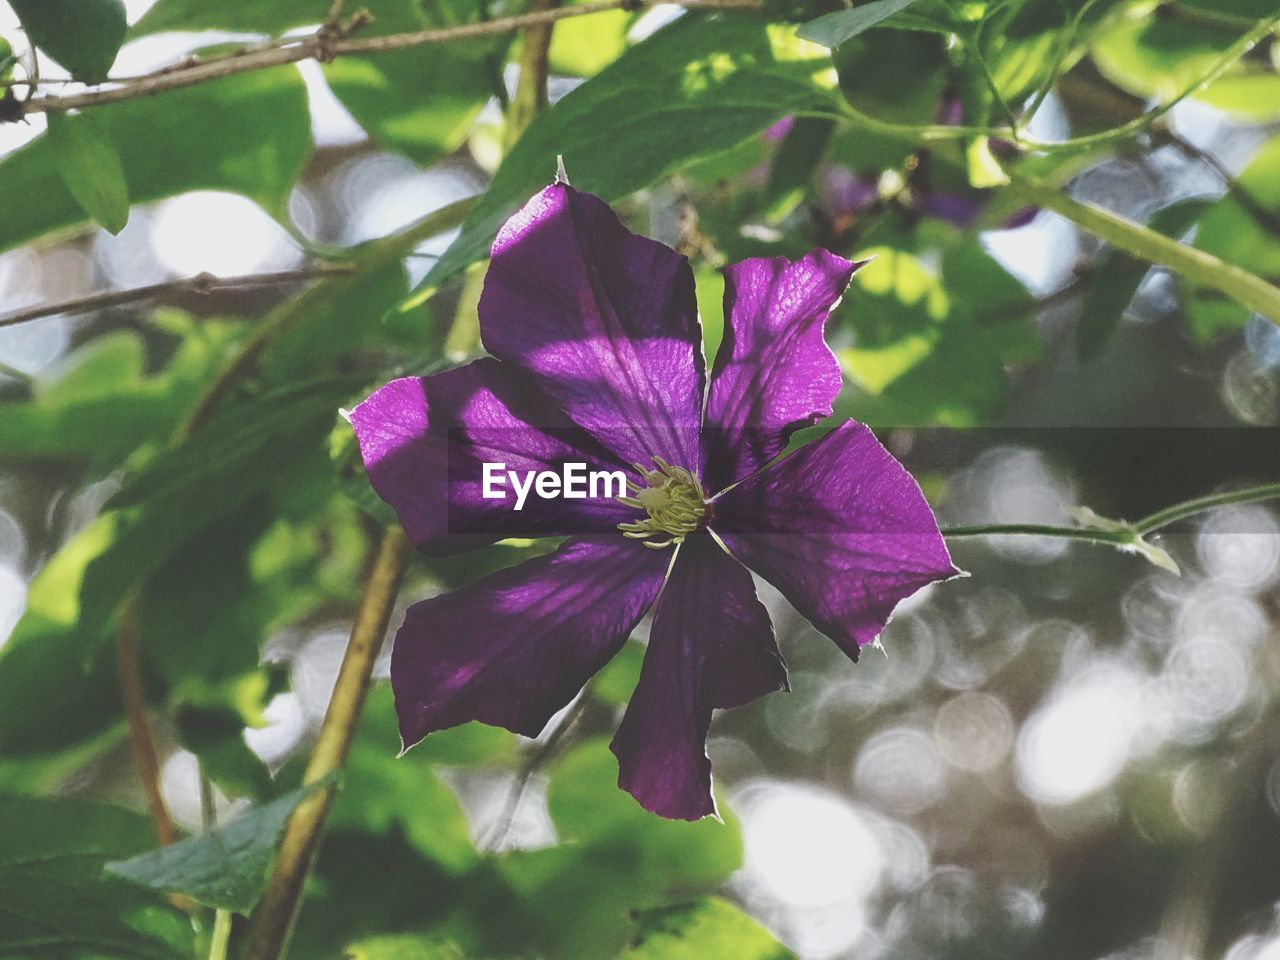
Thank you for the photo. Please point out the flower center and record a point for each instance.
(674, 501)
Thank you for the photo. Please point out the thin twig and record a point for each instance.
(273, 919)
(134, 701)
(321, 46)
(201, 283)
(531, 88)
(532, 764)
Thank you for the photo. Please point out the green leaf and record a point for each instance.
(577, 900)
(82, 35)
(795, 163)
(694, 89)
(90, 169)
(1243, 229)
(248, 134)
(617, 681)
(1160, 57)
(835, 28)
(583, 46)
(894, 76)
(53, 893)
(588, 808)
(97, 403)
(239, 16)
(1117, 278)
(224, 868)
(56, 672)
(917, 354)
(710, 929)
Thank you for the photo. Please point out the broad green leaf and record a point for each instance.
(53, 895)
(894, 75)
(583, 46)
(82, 35)
(90, 169)
(240, 16)
(1254, 95)
(695, 88)
(710, 929)
(223, 868)
(404, 946)
(420, 101)
(248, 134)
(917, 354)
(1115, 281)
(897, 308)
(98, 405)
(1160, 57)
(835, 28)
(384, 790)
(53, 691)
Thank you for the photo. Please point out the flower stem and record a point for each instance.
(1148, 524)
(1189, 508)
(1146, 244)
(273, 919)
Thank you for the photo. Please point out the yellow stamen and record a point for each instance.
(674, 500)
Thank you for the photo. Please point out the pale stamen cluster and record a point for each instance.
(675, 503)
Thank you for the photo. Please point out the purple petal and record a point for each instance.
(514, 647)
(774, 373)
(841, 529)
(711, 646)
(424, 441)
(604, 320)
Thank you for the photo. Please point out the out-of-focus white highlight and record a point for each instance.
(1080, 740)
(900, 770)
(222, 233)
(807, 847)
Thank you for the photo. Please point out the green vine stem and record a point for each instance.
(1123, 535)
(1240, 285)
(273, 920)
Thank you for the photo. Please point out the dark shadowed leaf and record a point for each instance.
(82, 35)
(53, 895)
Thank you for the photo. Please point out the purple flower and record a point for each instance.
(597, 358)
